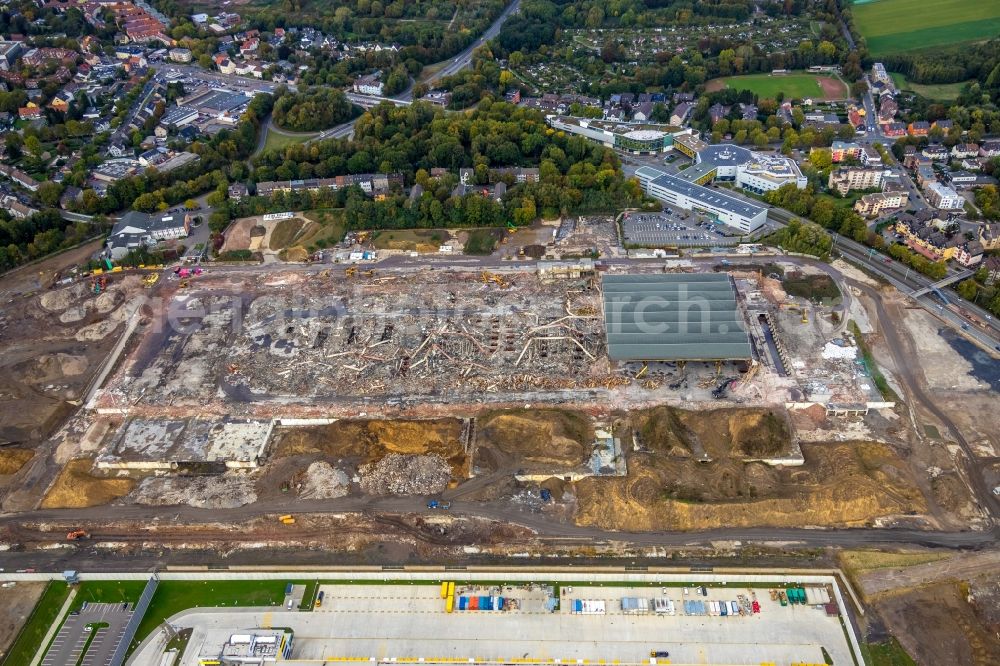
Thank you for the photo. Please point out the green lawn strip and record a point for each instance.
(95, 627)
(174, 596)
(276, 141)
(108, 592)
(890, 653)
(37, 624)
(880, 381)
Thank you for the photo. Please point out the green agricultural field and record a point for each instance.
(891, 26)
(941, 92)
(799, 85)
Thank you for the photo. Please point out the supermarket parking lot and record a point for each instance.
(408, 622)
(72, 638)
(674, 228)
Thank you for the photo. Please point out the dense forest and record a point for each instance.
(575, 175)
(312, 109)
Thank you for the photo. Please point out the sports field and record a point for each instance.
(890, 26)
(798, 85)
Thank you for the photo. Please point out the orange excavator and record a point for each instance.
(77, 535)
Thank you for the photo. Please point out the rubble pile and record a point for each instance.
(324, 481)
(398, 474)
(204, 492)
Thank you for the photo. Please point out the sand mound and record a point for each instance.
(539, 436)
(371, 440)
(204, 492)
(13, 459)
(847, 484)
(76, 487)
(398, 474)
(323, 481)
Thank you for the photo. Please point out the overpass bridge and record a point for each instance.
(951, 279)
(368, 101)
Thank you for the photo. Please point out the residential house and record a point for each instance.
(990, 148)
(369, 84)
(717, 112)
(681, 113)
(877, 203)
(748, 111)
(944, 124)
(964, 150)
(969, 254)
(643, 112)
(989, 236)
(943, 197)
(894, 129)
(887, 109)
(844, 180)
(918, 128)
(237, 191)
(992, 266)
(180, 55)
(18, 210)
(870, 157)
(30, 112)
(935, 152)
(19, 177)
(925, 175)
(841, 150)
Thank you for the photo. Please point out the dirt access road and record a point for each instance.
(960, 567)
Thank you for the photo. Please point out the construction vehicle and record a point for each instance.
(643, 371)
(319, 599)
(287, 519)
(77, 535)
(107, 264)
(498, 280)
(805, 316)
(435, 504)
(351, 271)
(185, 284)
(150, 280)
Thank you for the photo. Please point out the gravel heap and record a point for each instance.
(398, 474)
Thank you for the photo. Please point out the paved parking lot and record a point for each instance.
(408, 623)
(69, 643)
(675, 229)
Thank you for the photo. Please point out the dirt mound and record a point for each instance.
(323, 481)
(398, 474)
(49, 367)
(840, 485)
(759, 435)
(371, 440)
(546, 436)
(205, 492)
(660, 429)
(258, 231)
(13, 459)
(76, 487)
(60, 299)
(295, 254)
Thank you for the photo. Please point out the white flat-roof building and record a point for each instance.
(676, 191)
(943, 197)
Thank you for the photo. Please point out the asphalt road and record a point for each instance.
(464, 59)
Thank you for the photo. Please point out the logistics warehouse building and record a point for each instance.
(676, 191)
(674, 317)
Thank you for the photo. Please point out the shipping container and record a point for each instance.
(734, 608)
(444, 590)
(473, 603)
(449, 604)
(500, 603)
(451, 588)
(724, 609)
